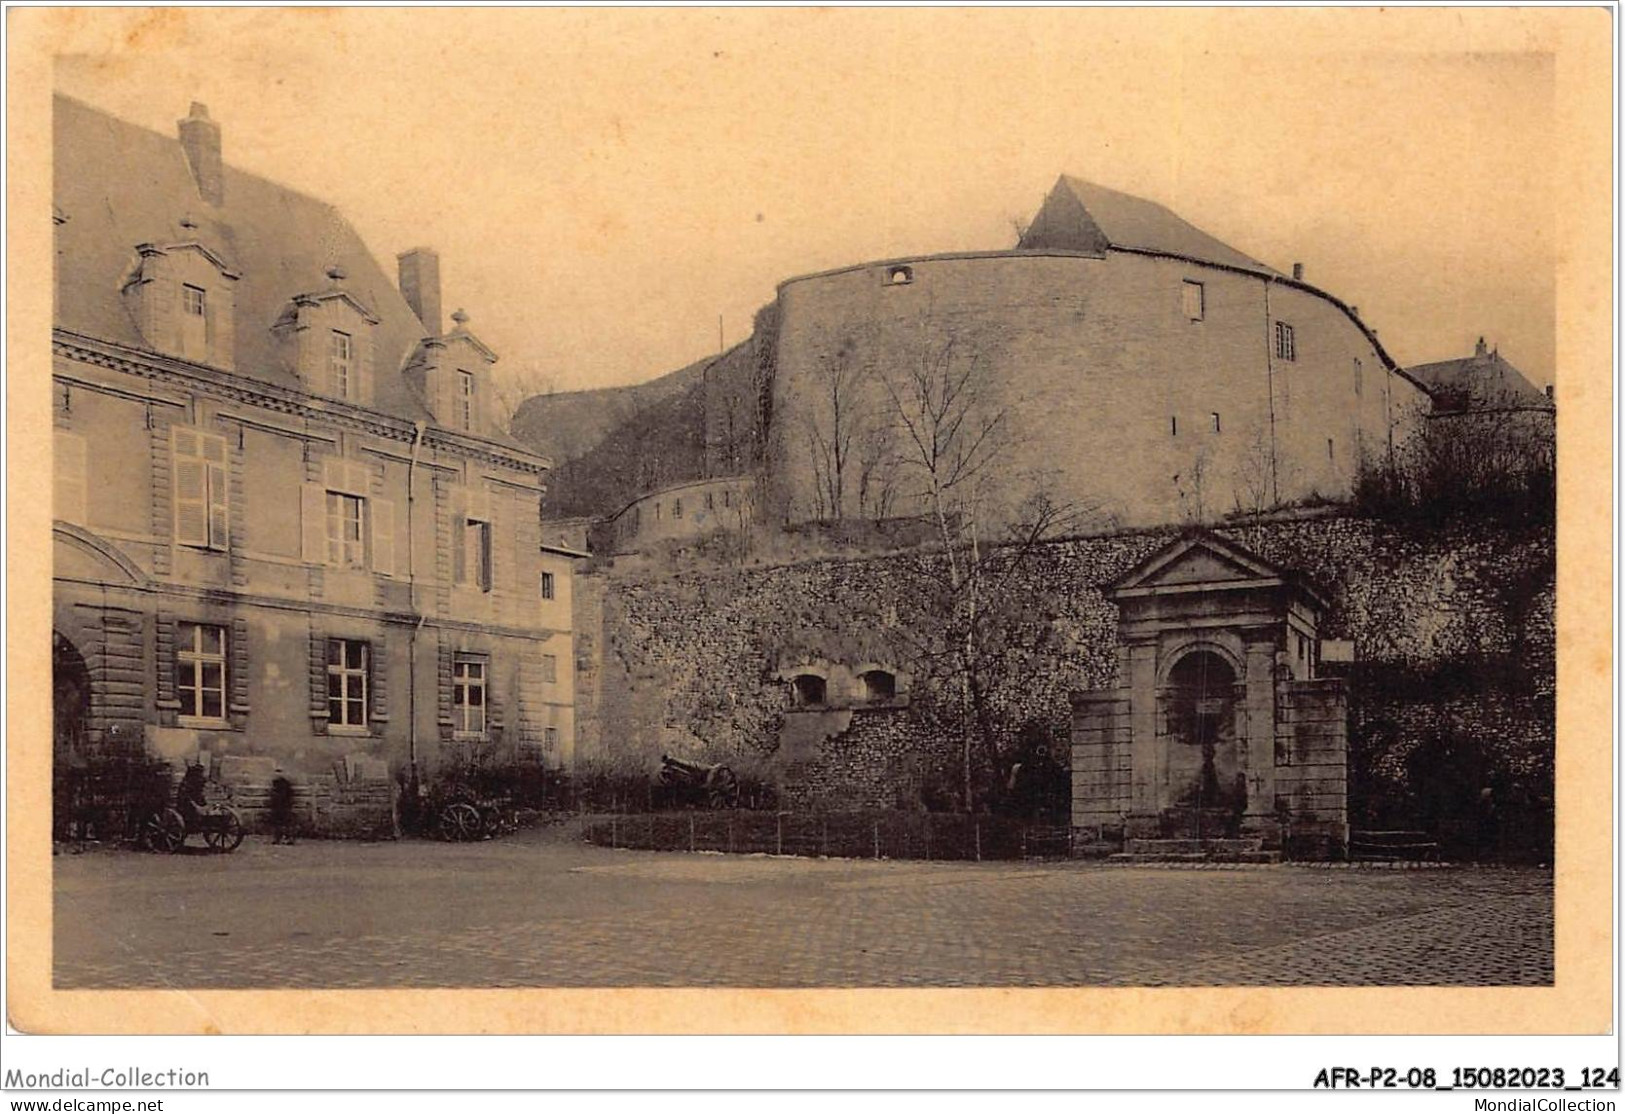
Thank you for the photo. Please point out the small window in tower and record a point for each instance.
(192, 300)
(1286, 344)
(727, 498)
(899, 276)
(1216, 426)
(1331, 449)
(1359, 378)
(1173, 426)
(677, 508)
(1191, 294)
(710, 501)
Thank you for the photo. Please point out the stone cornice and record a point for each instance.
(285, 400)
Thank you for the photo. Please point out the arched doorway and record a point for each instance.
(1205, 785)
(70, 719)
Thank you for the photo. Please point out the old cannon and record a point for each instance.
(715, 786)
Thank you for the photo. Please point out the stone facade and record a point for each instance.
(1217, 725)
(1094, 363)
(275, 548)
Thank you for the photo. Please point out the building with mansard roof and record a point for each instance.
(288, 534)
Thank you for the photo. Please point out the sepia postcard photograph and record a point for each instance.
(843, 500)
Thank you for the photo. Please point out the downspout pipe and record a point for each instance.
(412, 596)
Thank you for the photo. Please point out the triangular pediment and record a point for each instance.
(469, 340)
(344, 296)
(1198, 559)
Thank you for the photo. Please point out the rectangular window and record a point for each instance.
(468, 675)
(677, 508)
(200, 670)
(727, 498)
(340, 349)
(194, 323)
(1173, 427)
(346, 518)
(1216, 426)
(1191, 298)
(550, 669)
(550, 739)
(348, 664)
(1286, 345)
(548, 587)
(710, 501)
(1359, 378)
(465, 399)
(200, 492)
(1331, 450)
(476, 568)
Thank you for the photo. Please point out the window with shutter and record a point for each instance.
(474, 555)
(202, 509)
(383, 536)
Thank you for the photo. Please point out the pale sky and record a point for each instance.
(603, 184)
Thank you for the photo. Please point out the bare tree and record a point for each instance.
(832, 426)
(948, 436)
(510, 389)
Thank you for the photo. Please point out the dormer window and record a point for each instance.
(340, 360)
(465, 400)
(182, 298)
(899, 276)
(194, 323)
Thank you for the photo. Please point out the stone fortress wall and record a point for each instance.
(1453, 635)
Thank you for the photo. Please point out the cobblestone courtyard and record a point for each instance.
(538, 910)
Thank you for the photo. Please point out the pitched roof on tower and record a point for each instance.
(1081, 216)
(1482, 381)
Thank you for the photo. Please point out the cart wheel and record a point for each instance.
(724, 788)
(228, 836)
(164, 831)
(460, 821)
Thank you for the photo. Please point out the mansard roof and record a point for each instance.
(119, 185)
(1081, 216)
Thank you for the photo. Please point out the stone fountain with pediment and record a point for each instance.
(1219, 740)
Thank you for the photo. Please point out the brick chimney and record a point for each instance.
(200, 139)
(420, 286)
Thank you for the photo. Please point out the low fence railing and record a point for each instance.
(850, 835)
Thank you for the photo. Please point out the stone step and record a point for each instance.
(1191, 846)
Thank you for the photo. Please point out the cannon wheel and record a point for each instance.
(228, 836)
(164, 830)
(460, 821)
(723, 791)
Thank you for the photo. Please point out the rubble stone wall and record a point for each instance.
(690, 661)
